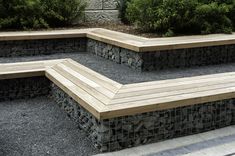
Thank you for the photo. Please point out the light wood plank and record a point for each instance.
(100, 79)
(86, 84)
(90, 103)
(175, 92)
(173, 82)
(22, 74)
(25, 69)
(48, 34)
(178, 85)
(167, 103)
(131, 42)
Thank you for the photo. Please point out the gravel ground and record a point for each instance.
(124, 74)
(38, 127)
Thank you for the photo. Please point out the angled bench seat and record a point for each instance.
(163, 95)
(106, 98)
(25, 69)
(90, 89)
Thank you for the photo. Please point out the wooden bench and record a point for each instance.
(25, 69)
(131, 42)
(105, 98)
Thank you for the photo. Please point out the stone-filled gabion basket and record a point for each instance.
(23, 88)
(42, 47)
(128, 131)
(167, 59)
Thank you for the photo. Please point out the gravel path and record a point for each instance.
(124, 74)
(38, 127)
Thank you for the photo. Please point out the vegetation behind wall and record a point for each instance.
(33, 14)
(182, 16)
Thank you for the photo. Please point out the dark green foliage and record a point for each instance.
(62, 12)
(232, 13)
(182, 16)
(212, 18)
(33, 14)
(122, 5)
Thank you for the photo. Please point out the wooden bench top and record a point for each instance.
(105, 98)
(25, 69)
(131, 42)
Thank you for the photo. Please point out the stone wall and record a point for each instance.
(128, 131)
(158, 60)
(23, 88)
(145, 61)
(101, 11)
(41, 47)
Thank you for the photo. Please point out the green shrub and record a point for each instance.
(21, 14)
(62, 12)
(31, 14)
(176, 16)
(212, 18)
(142, 13)
(182, 16)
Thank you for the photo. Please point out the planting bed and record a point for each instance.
(119, 112)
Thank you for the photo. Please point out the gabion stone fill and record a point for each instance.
(116, 54)
(128, 131)
(41, 47)
(158, 60)
(23, 88)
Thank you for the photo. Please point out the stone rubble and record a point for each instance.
(128, 131)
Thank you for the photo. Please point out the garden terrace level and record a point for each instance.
(105, 98)
(139, 113)
(139, 53)
(131, 42)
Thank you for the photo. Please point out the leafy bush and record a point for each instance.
(182, 16)
(175, 16)
(62, 12)
(21, 14)
(212, 18)
(30, 14)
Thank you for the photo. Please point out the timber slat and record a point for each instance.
(86, 84)
(131, 42)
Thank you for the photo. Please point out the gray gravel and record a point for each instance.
(38, 127)
(124, 74)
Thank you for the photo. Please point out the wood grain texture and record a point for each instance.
(131, 42)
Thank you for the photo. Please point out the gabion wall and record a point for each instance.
(23, 88)
(148, 61)
(41, 47)
(116, 54)
(128, 131)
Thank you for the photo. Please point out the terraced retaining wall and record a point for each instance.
(101, 11)
(141, 61)
(158, 60)
(128, 131)
(41, 47)
(23, 88)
